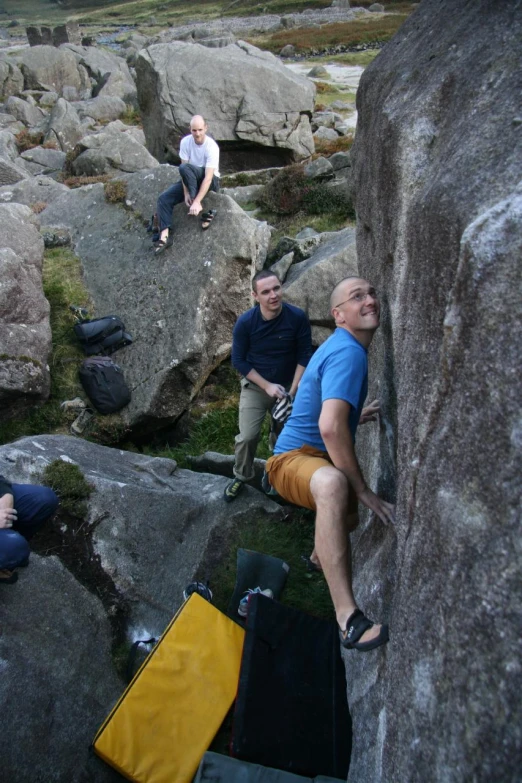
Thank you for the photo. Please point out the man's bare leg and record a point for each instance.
(332, 543)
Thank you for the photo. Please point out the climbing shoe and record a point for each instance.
(232, 490)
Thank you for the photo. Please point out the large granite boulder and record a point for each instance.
(44, 161)
(58, 679)
(437, 162)
(25, 333)
(64, 127)
(24, 111)
(8, 146)
(8, 122)
(53, 36)
(33, 190)
(257, 125)
(47, 68)
(151, 526)
(109, 73)
(180, 307)
(10, 171)
(101, 108)
(120, 149)
(11, 79)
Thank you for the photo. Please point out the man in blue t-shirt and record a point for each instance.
(314, 463)
(271, 347)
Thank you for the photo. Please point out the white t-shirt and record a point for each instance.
(205, 155)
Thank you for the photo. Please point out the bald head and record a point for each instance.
(197, 119)
(337, 294)
(198, 129)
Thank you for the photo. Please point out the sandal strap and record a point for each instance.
(356, 625)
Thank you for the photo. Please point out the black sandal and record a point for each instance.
(356, 625)
(207, 218)
(163, 244)
(311, 567)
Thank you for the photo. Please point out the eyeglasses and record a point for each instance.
(359, 297)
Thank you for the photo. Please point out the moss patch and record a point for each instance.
(69, 483)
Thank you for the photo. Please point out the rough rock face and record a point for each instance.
(274, 123)
(181, 306)
(55, 649)
(437, 161)
(25, 333)
(154, 527)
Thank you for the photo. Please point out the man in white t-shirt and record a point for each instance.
(199, 171)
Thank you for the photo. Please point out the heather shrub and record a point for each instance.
(25, 140)
(78, 182)
(115, 191)
(283, 194)
(290, 192)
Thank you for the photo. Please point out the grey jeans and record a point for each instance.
(253, 406)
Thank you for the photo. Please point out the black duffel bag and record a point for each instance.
(104, 384)
(102, 335)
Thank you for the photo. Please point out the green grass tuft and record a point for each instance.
(287, 539)
(62, 286)
(71, 486)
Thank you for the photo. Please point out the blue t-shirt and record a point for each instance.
(338, 370)
(273, 348)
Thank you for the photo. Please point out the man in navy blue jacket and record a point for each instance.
(271, 347)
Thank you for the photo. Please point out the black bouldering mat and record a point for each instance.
(255, 569)
(215, 768)
(291, 708)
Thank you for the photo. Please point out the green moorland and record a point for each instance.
(150, 16)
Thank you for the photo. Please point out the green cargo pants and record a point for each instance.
(253, 406)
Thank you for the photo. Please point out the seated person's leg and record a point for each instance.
(166, 203)
(14, 549)
(290, 474)
(192, 176)
(34, 504)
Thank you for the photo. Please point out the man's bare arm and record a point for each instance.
(195, 207)
(335, 432)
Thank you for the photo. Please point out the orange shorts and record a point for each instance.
(290, 474)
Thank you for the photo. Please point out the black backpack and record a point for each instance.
(104, 384)
(102, 335)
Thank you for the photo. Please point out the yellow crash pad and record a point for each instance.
(168, 716)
